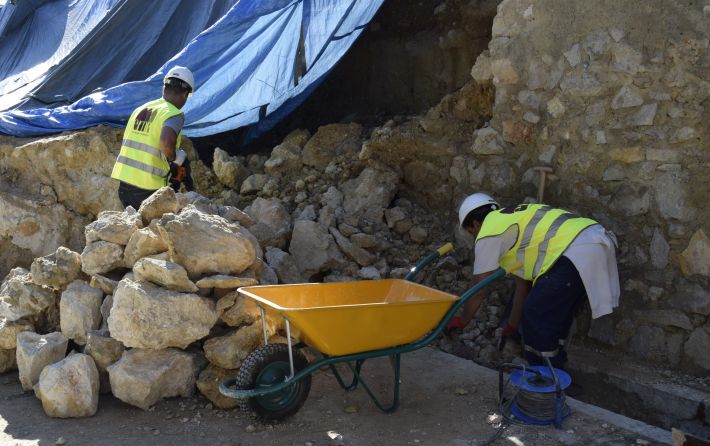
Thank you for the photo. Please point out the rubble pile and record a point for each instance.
(148, 310)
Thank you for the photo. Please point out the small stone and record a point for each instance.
(695, 259)
(60, 441)
(628, 96)
(645, 115)
(617, 34)
(627, 154)
(461, 391)
(351, 409)
(156, 432)
(531, 117)
(573, 55)
(555, 107)
(250, 428)
(642, 442)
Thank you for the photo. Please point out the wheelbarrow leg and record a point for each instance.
(395, 361)
(356, 375)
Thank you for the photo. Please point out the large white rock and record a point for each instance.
(206, 244)
(80, 310)
(146, 316)
(273, 221)
(370, 193)
(284, 265)
(70, 387)
(112, 226)
(19, 297)
(143, 242)
(10, 329)
(163, 201)
(167, 274)
(56, 270)
(35, 352)
(229, 351)
(101, 257)
(105, 351)
(313, 249)
(228, 169)
(143, 377)
(226, 282)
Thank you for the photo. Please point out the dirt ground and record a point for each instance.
(445, 400)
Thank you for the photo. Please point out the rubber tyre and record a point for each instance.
(270, 364)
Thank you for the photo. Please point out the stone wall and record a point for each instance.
(612, 96)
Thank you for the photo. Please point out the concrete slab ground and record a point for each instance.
(445, 400)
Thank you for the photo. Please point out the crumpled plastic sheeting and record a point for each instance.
(253, 66)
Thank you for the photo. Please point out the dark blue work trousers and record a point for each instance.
(548, 312)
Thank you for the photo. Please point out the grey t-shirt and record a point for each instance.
(175, 123)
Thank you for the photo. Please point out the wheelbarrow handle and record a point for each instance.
(427, 260)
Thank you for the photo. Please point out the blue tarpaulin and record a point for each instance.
(68, 65)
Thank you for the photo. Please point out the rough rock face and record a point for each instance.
(370, 193)
(144, 377)
(313, 249)
(228, 169)
(101, 257)
(331, 141)
(112, 226)
(19, 297)
(35, 351)
(8, 360)
(163, 201)
(80, 310)
(56, 270)
(206, 244)
(105, 351)
(229, 351)
(284, 265)
(631, 105)
(143, 242)
(9, 331)
(273, 225)
(145, 316)
(208, 384)
(70, 387)
(167, 274)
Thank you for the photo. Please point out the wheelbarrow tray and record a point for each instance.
(349, 317)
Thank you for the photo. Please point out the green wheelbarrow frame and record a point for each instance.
(355, 361)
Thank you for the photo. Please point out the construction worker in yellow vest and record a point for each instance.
(557, 258)
(149, 151)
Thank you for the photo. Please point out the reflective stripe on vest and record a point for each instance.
(141, 163)
(544, 233)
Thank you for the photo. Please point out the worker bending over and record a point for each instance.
(149, 157)
(556, 257)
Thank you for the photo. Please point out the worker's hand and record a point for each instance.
(456, 323)
(180, 157)
(177, 173)
(509, 332)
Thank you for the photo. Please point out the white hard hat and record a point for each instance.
(183, 74)
(475, 201)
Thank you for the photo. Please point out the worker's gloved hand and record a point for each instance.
(455, 323)
(509, 332)
(177, 173)
(180, 157)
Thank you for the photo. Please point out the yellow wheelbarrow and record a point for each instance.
(348, 323)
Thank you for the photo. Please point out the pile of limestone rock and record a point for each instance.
(147, 311)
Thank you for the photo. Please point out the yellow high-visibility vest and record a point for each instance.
(141, 163)
(544, 233)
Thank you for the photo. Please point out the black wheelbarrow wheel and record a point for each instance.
(267, 366)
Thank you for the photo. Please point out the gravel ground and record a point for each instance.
(444, 400)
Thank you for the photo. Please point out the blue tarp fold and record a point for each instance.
(254, 61)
